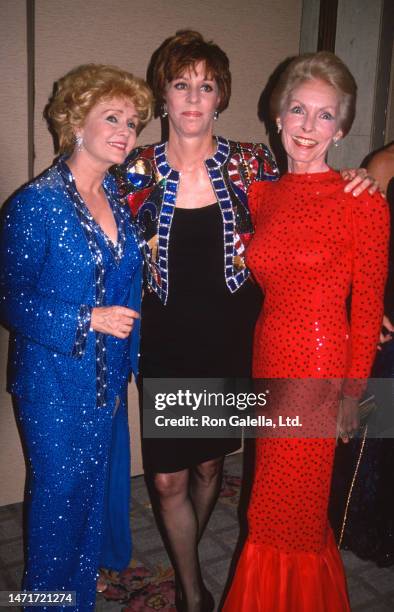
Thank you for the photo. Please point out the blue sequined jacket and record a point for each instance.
(149, 184)
(51, 274)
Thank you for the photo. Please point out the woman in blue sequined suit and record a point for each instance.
(70, 296)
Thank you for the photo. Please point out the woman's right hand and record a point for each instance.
(117, 321)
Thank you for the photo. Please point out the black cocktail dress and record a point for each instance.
(204, 330)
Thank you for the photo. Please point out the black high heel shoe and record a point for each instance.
(207, 605)
(178, 595)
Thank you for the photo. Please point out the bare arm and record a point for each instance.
(381, 167)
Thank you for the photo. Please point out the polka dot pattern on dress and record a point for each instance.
(313, 245)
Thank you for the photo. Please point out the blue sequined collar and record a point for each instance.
(92, 230)
(83, 211)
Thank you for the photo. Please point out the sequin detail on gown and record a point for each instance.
(56, 264)
(312, 241)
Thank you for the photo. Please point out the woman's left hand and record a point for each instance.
(348, 420)
(359, 181)
(386, 334)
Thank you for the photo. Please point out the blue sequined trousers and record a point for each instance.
(77, 496)
(69, 384)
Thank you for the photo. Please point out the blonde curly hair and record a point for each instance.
(79, 90)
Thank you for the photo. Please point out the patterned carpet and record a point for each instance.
(147, 585)
(140, 588)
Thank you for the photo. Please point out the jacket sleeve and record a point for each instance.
(267, 168)
(370, 226)
(62, 326)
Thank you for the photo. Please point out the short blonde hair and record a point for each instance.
(326, 67)
(79, 90)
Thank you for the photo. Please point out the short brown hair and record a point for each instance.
(182, 52)
(79, 90)
(326, 67)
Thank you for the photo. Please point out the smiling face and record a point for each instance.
(310, 123)
(191, 102)
(109, 132)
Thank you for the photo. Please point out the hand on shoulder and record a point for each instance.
(358, 181)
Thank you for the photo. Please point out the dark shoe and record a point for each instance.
(208, 602)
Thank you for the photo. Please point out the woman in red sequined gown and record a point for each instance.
(313, 243)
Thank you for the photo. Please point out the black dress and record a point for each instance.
(204, 330)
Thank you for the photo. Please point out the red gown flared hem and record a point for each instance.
(269, 580)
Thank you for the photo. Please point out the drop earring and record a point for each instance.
(164, 111)
(216, 115)
(79, 143)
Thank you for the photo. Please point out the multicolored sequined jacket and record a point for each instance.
(52, 272)
(149, 184)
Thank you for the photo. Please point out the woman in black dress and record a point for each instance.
(200, 304)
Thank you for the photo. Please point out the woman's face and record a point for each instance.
(310, 122)
(109, 131)
(191, 102)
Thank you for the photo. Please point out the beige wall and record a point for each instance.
(390, 108)
(256, 34)
(13, 96)
(13, 172)
(357, 44)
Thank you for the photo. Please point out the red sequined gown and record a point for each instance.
(313, 242)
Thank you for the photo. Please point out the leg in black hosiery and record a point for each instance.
(179, 526)
(205, 483)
